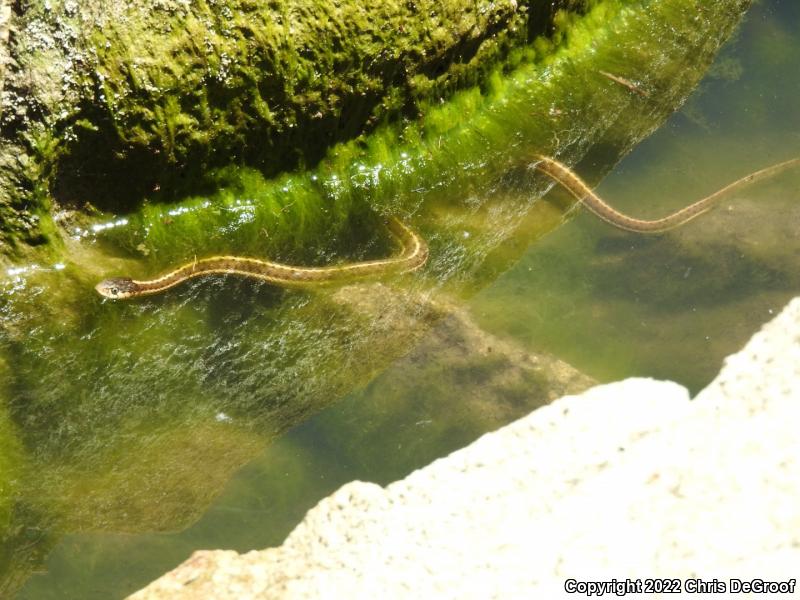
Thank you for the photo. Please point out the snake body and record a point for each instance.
(413, 256)
(415, 250)
(567, 178)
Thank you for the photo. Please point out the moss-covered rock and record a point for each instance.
(107, 102)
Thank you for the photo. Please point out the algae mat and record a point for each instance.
(107, 102)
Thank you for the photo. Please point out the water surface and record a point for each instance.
(673, 306)
(609, 303)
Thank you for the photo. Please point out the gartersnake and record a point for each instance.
(567, 178)
(415, 250)
(413, 256)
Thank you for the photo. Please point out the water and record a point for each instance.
(674, 306)
(611, 304)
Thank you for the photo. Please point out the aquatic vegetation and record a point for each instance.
(673, 306)
(141, 99)
(12, 464)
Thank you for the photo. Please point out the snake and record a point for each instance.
(414, 252)
(570, 181)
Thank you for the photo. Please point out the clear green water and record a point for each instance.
(674, 306)
(613, 305)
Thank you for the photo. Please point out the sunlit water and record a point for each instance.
(609, 303)
(674, 306)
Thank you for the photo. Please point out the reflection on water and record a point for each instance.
(208, 377)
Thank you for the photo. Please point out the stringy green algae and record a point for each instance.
(442, 158)
(137, 93)
(96, 386)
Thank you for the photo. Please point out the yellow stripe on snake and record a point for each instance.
(413, 256)
(567, 178)
(415, 250)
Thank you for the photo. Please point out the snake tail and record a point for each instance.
(568, 179)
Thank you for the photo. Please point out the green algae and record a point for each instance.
(449, 171)
(13, 474)
(143, 95)
(431, 166)
(265, 502)
(12, 463)
(486, 132)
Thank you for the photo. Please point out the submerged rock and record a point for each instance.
(627, 480)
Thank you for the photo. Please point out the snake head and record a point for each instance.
(116, 288)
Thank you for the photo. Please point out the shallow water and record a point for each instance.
(611, 304)
(673, 306)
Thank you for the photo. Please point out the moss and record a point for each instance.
(143, 98)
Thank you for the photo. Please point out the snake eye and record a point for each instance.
(114, 291)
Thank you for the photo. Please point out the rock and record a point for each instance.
(494, 377)
(5, 18)
(631, 479)
(456, 383)
(114, 100)
(118, 105)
